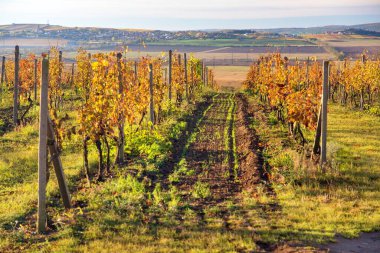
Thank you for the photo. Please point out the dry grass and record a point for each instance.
(230, 76)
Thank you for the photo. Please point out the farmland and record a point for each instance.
(140, 140)
(216, 167)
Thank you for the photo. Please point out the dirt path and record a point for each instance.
(210, 157)
(219, 171)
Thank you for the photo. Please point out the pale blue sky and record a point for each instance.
(190, 14)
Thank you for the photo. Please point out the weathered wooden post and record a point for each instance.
(206, 75)
(203, 72)
(170, 75)
(72, 73)
(35, 79)
(151, 104)
(121, 141)
(307, 71)
(57, 164)
(212, 81)
(2, 71)
(136, 77)
(324, 111)
(178, 95)
(192, 78)
(166, 75)
(60, 69)
(186, 82)
(16, 89)
(317, 140)
(42, 148)
(362, 89)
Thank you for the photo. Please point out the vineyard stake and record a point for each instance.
(186, 83)
(203, 72)
(35, 79)
(170, 75)
(60, 68)
(307, 71)
(72, 73)
(151, 105)
(166, 75)
(325, 95)
(121, 141)
(206, 77)
(180, 73)
(317, 140)
(16, 88)
(362, 89)
(42, 148)
(57, 164)
(135, 73)
(2, 71)
(192, 78)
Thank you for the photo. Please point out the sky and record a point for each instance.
(191, 14)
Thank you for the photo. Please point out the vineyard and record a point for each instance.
(295, 92)
(108, 153)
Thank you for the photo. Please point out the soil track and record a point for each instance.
(218, 164)
(209, 155)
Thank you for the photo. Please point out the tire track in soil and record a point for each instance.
(210, 158)
(213, 158)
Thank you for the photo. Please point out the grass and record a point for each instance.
(316, 206)
(130, 212)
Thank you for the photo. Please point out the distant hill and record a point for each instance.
(374, 27)
(95, 37)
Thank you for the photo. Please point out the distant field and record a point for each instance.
(22, 42)
(356, 51)
(222, 56)
(235, 42)
(230, 76)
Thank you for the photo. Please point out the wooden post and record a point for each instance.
(2, 71)
(170, 75)
(202, 70)
(151, 104)
(42, 148)
(72, 73)
(206, 76)
(186, 83)
(166, 75)
(324, 111)
(57, 164)
(192, 79)
(317, 140)
(136, 77)
(121, 141)
(16, 89)
(60, 69)
(35, 79)
(307, 71)
(362, 89)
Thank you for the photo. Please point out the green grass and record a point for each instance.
(316, 206)
(130, 212)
